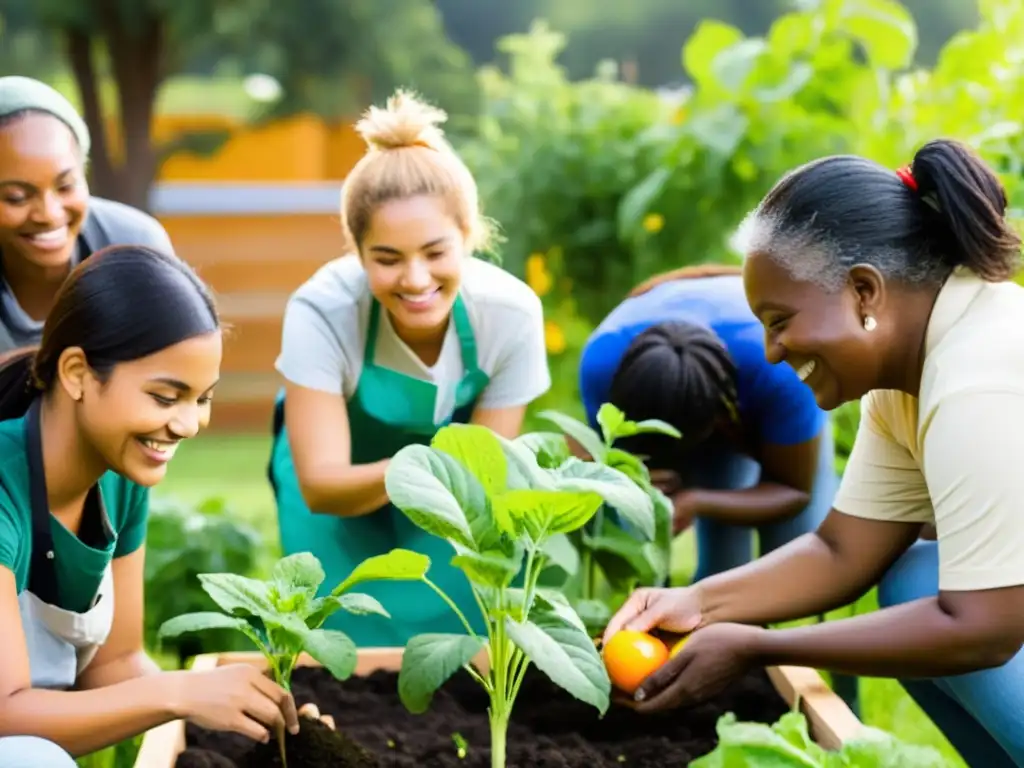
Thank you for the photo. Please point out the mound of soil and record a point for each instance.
(549, 728)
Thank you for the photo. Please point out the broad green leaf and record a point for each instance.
(554, 602)
(524, 473)
(710, 38)
(396, 565)
(656, 426)
(428, 662)
(492, 568)
(595, 615)
(335, 650)
(238, 595)
(203, 620)
(741, 743)
(635, 204)
(434, 491)
(885, 29)
(878, 749)
(540, 514)
(588, 439)
(629, 465)
(561, 553)
(720, 128)
(732, 66)
(550, 448)
(566, 654)
(357, 603)
(611, 420)
(478, 450)
(296, 579)
(614, 544)
(631, 502)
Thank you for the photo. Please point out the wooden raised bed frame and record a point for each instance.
(830, 720)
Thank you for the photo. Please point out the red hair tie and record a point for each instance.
(907, 177)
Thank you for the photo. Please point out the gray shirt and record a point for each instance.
(107, 223)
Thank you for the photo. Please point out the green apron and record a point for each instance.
(387, 412)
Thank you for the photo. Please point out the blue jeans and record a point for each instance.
(981, 713)
(32, 752)
(721, 546)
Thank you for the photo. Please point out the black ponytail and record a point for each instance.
(680, 373)
(915, 225)
(123, 303)
(971, 202)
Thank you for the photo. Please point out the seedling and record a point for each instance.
(499, 508)
(282, 616)
(622, 554)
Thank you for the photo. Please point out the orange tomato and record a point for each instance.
(630, 657)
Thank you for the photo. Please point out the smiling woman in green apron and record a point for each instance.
(383, 347)
(129, 357)
(49, 222)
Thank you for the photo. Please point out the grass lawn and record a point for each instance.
(234, 467)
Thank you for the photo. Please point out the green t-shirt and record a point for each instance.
(79, 566)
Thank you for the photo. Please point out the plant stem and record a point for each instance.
(451, 604)
(499, 729)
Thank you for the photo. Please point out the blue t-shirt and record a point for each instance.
(771, 398)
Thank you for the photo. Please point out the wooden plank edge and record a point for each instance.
(830, 720)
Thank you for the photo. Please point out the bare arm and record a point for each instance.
(79, 721)
(507, 422)
(787, 476)
(951, 634)
(123, 656)
(321, 443)
(812, 574)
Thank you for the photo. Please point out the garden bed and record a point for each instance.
(549, 729)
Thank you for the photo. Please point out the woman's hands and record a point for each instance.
(239, 698)
(712, 658)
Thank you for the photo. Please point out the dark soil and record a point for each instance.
(549, 728)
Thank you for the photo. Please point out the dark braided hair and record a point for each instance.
(680, 373)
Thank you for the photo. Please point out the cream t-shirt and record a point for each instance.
(327, 319)
(954, 456)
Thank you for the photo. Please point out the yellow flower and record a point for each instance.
(537, 275)
(554, 339)
(679, 115)
(653, 222)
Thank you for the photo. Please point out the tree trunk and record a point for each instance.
(83, 67)
(136, 58)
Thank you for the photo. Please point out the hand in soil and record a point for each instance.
(312, 711)
(675, 610)
(238, 698)
(711, 660)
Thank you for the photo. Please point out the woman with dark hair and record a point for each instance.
(756, 453)
(129, 357)
(48, 220)
(893, 288)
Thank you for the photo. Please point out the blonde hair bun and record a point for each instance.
(405, 121)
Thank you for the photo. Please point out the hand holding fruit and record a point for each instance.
(699, 666)
(675, 610)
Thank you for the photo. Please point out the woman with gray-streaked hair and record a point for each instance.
(893, 288)
(48, 220)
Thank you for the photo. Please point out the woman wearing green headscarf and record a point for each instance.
(48, 220)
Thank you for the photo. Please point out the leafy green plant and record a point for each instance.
(499, 508)
(283, 616)
(787, 743)
(183, 541)
(606, 549)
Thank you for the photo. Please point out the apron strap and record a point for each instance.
(464, 330)
(370, 348)
(42, 574)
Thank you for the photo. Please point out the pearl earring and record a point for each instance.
(870, 323)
